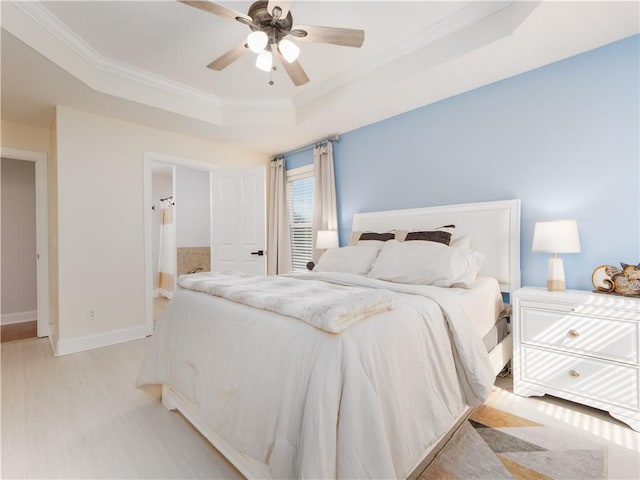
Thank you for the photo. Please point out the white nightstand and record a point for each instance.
(580, 346)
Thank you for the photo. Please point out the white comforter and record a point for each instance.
(365, 403)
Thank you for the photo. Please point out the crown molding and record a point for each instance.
(28, 21)
(39, 28)
(46, 20)
(68, 37)
(469, 15)
(407, 73)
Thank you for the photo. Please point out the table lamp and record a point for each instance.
(556, 236)
(327, 239)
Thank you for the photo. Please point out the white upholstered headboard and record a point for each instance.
(494, 229)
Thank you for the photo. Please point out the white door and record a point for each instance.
(238, 225)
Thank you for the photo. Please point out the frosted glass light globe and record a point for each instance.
(257, 41)
(264, 61)
(289, 50)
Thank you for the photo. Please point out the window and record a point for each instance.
(300, 199)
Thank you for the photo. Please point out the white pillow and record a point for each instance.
(461, 242)
(354, 237)
(357, 260)
(427, 263)
(377, 244)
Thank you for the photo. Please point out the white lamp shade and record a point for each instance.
(264, 61)
(289, 50)
(557, 236)
(257, 41)
(327, 239)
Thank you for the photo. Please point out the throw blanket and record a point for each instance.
(327, 306)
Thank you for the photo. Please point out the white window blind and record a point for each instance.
(300, 198)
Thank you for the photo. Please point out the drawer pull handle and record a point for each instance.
(574, 373)
(574, 333)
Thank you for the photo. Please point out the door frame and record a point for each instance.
(42, 231)
(149, 159)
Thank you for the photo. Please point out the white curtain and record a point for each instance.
(279, 236)
(325, 212)
(167, 264)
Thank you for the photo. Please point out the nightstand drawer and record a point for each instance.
(600, 337)
(598, 380)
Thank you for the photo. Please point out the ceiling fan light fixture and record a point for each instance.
(289, 50)
(264, 61)
(271, 22)
(257, 41)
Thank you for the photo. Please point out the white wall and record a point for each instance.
(19, 280)
(193, 217)
(161, 187)
(100, 177)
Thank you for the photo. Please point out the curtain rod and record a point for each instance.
(332, 138)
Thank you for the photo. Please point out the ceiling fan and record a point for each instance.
(272, 29)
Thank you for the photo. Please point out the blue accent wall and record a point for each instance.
(563, 138)
(300, 159)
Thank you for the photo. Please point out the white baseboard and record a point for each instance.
(80, 344)
(19, 317)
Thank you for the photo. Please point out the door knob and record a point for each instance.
(259, 253)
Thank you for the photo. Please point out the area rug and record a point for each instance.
(494, 445)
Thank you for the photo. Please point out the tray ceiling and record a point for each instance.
(146, 61)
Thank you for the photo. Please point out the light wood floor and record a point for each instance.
(80, 416)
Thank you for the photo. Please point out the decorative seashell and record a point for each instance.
(632, 272)
(611, 270)
(601, 278)
(610, 279)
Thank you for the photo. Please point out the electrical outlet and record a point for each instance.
(92, 313)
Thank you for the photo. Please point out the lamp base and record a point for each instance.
(556, 286)
(555, 275)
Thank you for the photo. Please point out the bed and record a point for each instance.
(281, 398)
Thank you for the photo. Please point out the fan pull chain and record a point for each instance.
(271, 75)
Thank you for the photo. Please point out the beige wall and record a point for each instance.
(19, 287)
(26, 138)
(100, 215)
(52, 191)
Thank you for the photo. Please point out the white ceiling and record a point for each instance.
(146, 61)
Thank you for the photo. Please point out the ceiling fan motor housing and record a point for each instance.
(275, 28)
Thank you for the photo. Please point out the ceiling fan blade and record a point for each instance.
(218, 9)
(284, 5)
(295, 71)
(228, 58)
(346, 37)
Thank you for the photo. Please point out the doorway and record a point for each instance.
(25, 245)
(177, 226)
(19, 290)
(235, 226)
(181, 227)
